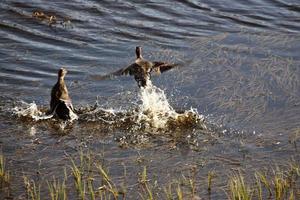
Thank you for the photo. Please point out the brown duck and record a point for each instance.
(141, 69)
(60, 103)
(42, 16)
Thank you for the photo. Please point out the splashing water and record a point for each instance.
(156, 112)
(31, 111)
(153, 114)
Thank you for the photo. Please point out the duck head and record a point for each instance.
(38, 14)
(138, 52)
(62, 73)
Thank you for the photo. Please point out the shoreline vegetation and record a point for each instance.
(87, 177)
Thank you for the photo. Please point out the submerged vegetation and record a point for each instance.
(92, 180)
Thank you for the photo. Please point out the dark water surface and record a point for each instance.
(239, 67)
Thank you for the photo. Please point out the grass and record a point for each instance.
(239, 190)
(107, 182)
(210, 176)
(77, 173)
(4, 174)
(33, 190)
(57, 190)
(143, 180)
(93, 181)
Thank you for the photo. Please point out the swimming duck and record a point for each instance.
(141, 69)
(60, 103)
(42, 16)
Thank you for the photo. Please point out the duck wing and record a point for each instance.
(126, 71)
(121, 72)
(160, 67)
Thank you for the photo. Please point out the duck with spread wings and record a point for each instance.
(141, 69)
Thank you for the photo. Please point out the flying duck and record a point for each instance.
(60, 103)
(141, 69)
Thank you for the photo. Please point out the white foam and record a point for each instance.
(155, 109)
(30, 110)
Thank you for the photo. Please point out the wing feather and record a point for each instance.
(121, 72)
(160, 67)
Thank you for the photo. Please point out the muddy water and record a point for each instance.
(239, 68)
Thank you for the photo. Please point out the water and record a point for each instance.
(237, 84)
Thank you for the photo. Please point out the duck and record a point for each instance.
(141, 69)
(42, 16)
(61, 103)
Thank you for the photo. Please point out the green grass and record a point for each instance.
(57, 189)
(32, 190)
(4, 174)
(239, 189)
(93, 181)
(210, 176)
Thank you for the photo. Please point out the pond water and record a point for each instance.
(237, 86)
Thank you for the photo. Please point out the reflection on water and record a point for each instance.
(239, 68)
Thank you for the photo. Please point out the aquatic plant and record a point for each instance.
(210, 176)
(57, 190)
(77, 173)
(108, 184)
(93, 181)
(4, 174)
(239, 190)
(143, 180)
(33, 190)
(179, 192)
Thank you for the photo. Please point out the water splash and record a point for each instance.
(155, 112)
(30, 110)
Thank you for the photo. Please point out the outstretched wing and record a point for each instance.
(160, 67)
(124, 71)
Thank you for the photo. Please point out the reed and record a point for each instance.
(239, 190)
(4, 174)
(108, 183)
(262, 178)
(179, 192)
(77, 173)
(280, 185)
(210, 176)
(168, 191)
(143, 180)
(33, 191)
(57, 190)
